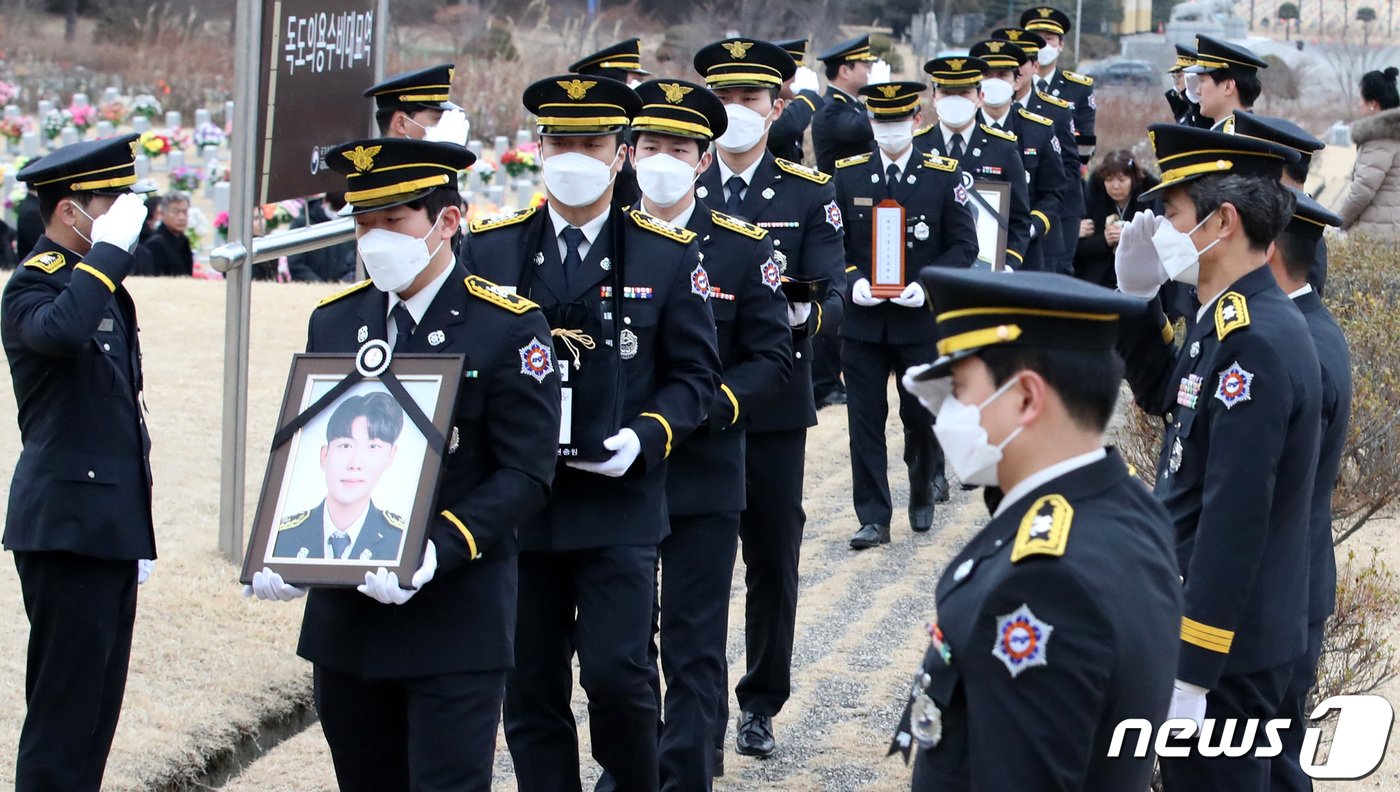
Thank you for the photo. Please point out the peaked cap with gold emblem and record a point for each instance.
(1186, 153)
(857, 49)
(892, 101)
(106, 167)
(579, 104)
(999, 54)
(1029, 41)
(680, 108)
(384, 172)
(959, 71)
(624, 56)
(415, 90)
(744, 63)
(1046, 20)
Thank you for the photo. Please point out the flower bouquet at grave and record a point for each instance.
(179, 137)
(146, 106)
(53, 122)
(523, 159)
(155, 144)
(217, 171)
(221, 226)
(15, 196)
(82, 116)
(8, 92)
(114, 112)
(276, 216)
(485, 169)
(208, 134)
(12, 129)
(186, 179)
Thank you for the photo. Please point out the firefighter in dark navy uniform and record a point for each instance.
(803, 101)
(1242, 405)
(628, 302)
(840, 127)
(79, 520)
(1059, 619)
(882, 335)
(1052, 25)
(435, 713)
(797, 206)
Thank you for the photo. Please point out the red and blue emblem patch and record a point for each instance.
(772, 274)
(1235, 385)
(960, 195)
(833, 216)
(536, 360)
(1021, 640)
(700, 282)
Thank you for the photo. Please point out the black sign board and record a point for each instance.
(317, 60)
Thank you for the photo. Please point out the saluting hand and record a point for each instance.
(1135, 261)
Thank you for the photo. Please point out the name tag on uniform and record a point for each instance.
(863, 201)
(566, 406)
(106, 325)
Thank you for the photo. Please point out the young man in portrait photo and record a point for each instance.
(361, 443)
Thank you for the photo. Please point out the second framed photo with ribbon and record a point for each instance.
(354, 466)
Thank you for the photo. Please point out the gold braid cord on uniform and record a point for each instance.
(573, 339)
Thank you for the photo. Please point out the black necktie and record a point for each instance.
(956, 150)
(403, 320)
(1042, 85)
(891, 175)
(339, 539)
(573, 261)
(736, 186)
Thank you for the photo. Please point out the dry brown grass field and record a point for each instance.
(208, 665)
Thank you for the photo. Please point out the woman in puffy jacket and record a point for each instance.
(1372, 205)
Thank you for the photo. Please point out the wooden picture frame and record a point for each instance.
(351, 452)
(887, 249)
(991, 235)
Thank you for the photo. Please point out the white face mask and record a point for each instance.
(955, 111)
(746, 128)
(90, 218)
(893, 137)
(1178, 253)
(664, 180)
(964, 441)
(1193, 88)
(392, 259)
(576, 179)
(997, 92)
(452, 128)
(1047, 55)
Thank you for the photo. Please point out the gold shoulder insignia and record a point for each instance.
(344, 293)
(735, 224)
(501, 220)
(859, 159)
(1231, 314)
(1054, 100)
(923, 130)
(1082, 79)
(1001, 133)
(1045, 529)
(483, 289)
(393, 519)
(49, 262)
(810, 174)
(661, 227)
(289, 523)
(840, 98)
(940, 163)
(1036, 117)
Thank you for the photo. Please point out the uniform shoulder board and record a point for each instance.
(501, 220)
(483, 289)
(1231, 314)
(658, 226)
(810, 174)
(49, 262)
(839, 97)
(1036, 117)
(1001, 133)
(859, 159)
(344, 293)
(394, 520)
(1044, 530)
(940, 163)
(1082, 79)
(735, 224)
(1054, 100)
(293, 521)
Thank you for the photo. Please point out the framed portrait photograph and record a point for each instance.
(354, 467)
(991, 235)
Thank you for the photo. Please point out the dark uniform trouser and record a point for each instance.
(81, 611)
(826, 366)
(697, 565)
(1259, 695)
(1286, 772)
(771, 530)
(868, 369)
(597, 603)
(423, 734)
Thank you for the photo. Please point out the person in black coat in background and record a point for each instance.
(167, 250)
(1112, 201)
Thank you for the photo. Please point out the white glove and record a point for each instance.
(453, 128)
(626, 447)
(911, 297)
(120, 225)
(860, 294)
(798, 313)
(382, 586)
(1136, 263)
(268, 585)
(930, 393)
(144, 568)
(879, 72)
(805, 80)
(1189, 702)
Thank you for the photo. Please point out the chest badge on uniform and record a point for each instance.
(366, 555)
(628, 347)
(1174, 462)
(606, 264)
(768, 193)
(303, 552)
(964, 569)
(921, 231)
(539, 259)
(874, 178)
(833, 216)
(362, 335)
(772, 273)
(700, 282)
(1195, 349)
(536, 360)
(455, 442)
(781, 258)
(702, 191)
(1021, 640)
(977, 152)
(436, 337)
(1188, 393)
(1235, 385)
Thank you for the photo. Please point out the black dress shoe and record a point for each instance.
(717, 764)
(755, 735)
(940, 488)
(870, 535)
(921, 518)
